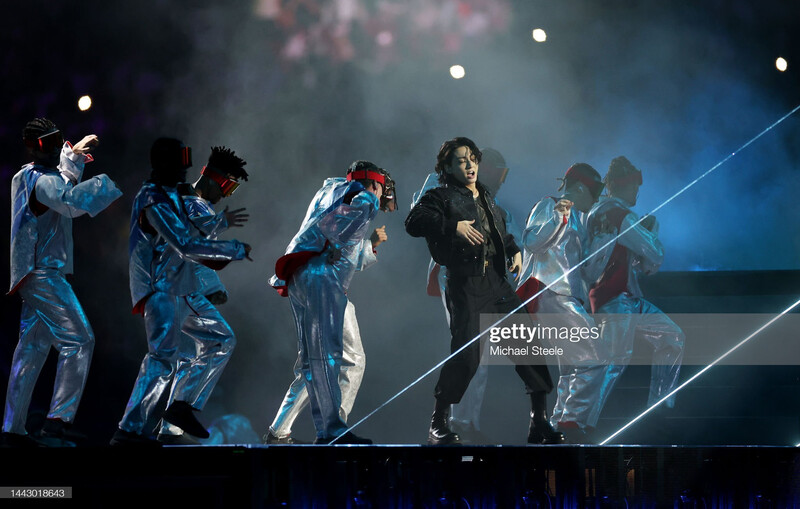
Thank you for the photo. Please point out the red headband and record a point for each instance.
(228, 185)
(593, 185)
(366, 174)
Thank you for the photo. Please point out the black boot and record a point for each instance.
(346, 439)
(181, 414)
(540, 431)
(271, 438)
(124, 438)
(440, 432)
(57, 433)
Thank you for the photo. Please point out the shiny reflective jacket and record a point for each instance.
(41, 228)
(552, 247)
(436, 216)
(164, 244)
(644, 250)
(211, 224)
(336, 225)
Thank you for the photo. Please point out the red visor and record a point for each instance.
(186, 156)
(366, 174)
(228, 185)
(47, 142)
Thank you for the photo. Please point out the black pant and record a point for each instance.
(468, 297)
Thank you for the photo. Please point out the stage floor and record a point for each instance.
(399, 476)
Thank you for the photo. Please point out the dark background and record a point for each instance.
(300, 89)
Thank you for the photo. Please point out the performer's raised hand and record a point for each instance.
(563, 207)
(378, 236)
(247, 249)
(516, 265)
(236, 217)
(86, 144)
(465, 230)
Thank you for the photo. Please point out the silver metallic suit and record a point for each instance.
(467, 412)
(618, 304)
(323, 257)
(44, 201)
(553, 244)
(351, 372)
(210, 224)
(164, 246)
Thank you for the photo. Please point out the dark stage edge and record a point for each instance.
(399, 476)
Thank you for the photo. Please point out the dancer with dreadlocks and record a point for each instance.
(46, 194)
(315, 274)
(164, 246)
(218, 180)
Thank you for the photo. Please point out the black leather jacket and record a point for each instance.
(436, 216)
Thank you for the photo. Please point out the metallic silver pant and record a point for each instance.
(620, 320)
(189, 373)
(51, 316)
(581, 369)
(350, 376)
(318, 304)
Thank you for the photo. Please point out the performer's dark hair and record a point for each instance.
(619, 167)
(224, 159)
(446, 154)
(361, 165)
(37, 127)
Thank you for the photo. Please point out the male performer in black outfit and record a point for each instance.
(466, 234)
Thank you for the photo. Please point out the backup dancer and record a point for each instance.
(620, 309)
(219, 179)
(46, 194)
(465, 234)
(163, 248)
(315, 274)
(555, 240)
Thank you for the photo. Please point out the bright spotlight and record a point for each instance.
(84, 103)
(539, 35)
(457, 72)
(781, 64)
(384, 38)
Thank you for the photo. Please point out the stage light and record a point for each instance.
(781, 64)
(457, 72)
(384, 38)
(84, 103)
(539, 35)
